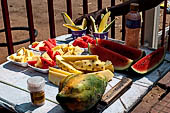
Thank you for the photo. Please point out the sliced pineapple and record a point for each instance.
(55, 77)
(65, 66)
(59, 71)
(108, 65)
(46, 56)
(89, 65)
(73, 58)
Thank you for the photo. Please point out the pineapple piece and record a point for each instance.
(73, 58)
(21, 51)
(59, 71)
(108, 65)
(39, 63)
(55, 77)
(65, 66)
(19, 58)
(89, 65)
(40, 44)
(45, 55)
(77, 50)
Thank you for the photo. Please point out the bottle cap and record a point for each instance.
(134, 6)
(36, 83)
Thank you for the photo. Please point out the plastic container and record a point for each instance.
(103, 35)
(79, 33)
(36, 86)
(133, 24)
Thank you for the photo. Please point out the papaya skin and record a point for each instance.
(81, 92)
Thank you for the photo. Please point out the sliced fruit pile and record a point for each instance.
(123, 56)
(67, 49)
(83, 41)
(44, 61)
(44, 45)
(120, 55)
(78, 64)
(23, 55)
(70, 24)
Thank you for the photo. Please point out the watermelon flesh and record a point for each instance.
(129, 52)
(120, 62)
(149, 62)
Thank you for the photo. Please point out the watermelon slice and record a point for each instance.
(120, 62)
(129, 52)
(149, 62)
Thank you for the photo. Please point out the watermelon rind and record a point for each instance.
(145, 58)
(124, 67)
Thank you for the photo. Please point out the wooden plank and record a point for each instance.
(51, 18)
(117, 91)
(30, 20)
(7, 25)
(85, 6)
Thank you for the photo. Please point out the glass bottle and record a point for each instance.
(133, 24)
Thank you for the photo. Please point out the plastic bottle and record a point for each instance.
(36, 87)
(133, 24)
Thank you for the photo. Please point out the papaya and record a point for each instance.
(79, 93)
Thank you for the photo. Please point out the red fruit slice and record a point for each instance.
(120, 62)
(50, 53)
(34, 45)
(56, 53)
(32, 63)
(48, 44)
(46, 62)
(44, 48)
(132, 53)
(53, 41)
(149, 62)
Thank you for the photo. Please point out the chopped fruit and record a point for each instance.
(53, 41)
(32, 63)
(83, 41)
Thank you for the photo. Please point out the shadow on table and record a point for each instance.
(25, 107)
(149, 78)
(14, 67)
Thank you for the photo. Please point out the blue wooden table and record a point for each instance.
(18, 99)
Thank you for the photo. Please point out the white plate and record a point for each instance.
(17, 63)
(39, 69)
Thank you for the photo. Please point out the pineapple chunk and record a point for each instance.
(46, 56)
(40, 44)
(55, 77)
(59, 71)
(108, 65)
(73, 58)
(65, 66)
(89, 65)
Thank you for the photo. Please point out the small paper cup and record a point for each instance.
(79, 33)
(103, 35)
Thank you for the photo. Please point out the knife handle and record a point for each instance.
(118, 90)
